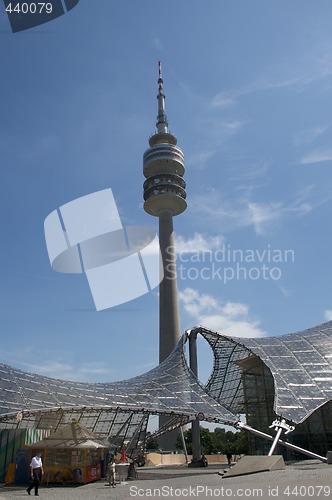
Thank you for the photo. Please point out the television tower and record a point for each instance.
(165, 197)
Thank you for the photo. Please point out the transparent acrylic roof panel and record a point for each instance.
(161, 390)
(300, 363)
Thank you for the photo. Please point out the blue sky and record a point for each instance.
(248, 94)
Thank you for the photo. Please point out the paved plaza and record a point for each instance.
(301, 480)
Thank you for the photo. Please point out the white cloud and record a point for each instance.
(200, 159)
(249, 172)
(67, 371)
(232, 215)
(309, 135)
(325, 65)
(308, 71)
(241, 212)
(54, 365)
(158, 44)
(224, 130)
(230, 318)
(223, 99)
(197, 243)
(228, 98)
(287, 292)
(218, 131)
(328, 315)
(53, 368)
(317, 156)
(94, 368)
(31, 148)
(261, 214)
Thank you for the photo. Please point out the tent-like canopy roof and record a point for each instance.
(300, 364)
(72, 435)
(30, 400)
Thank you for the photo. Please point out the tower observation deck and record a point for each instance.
(164, 197)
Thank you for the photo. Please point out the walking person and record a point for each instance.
(111, 472)
(229, 457)
(36, 472)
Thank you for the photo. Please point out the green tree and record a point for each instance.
(206, 441)
(218, 441)
(241, 445)
(152, 444)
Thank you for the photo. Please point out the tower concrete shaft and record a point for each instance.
(165, 197)
(169, 317)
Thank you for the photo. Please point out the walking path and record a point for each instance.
(299, 481)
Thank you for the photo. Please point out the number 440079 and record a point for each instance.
(29, 8)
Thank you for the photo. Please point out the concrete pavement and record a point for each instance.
(301, 480)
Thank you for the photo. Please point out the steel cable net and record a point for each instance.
(109, 409)
(298, 368)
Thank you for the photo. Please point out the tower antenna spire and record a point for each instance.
(162, 123)
(160, 79)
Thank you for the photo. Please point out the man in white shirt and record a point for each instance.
(111, 472)
(36, 472)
